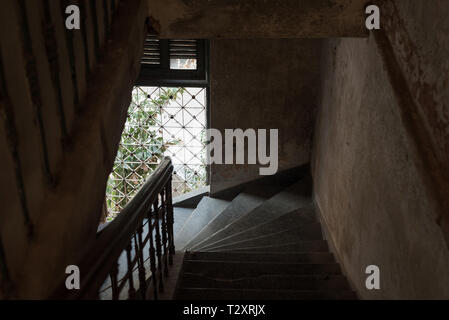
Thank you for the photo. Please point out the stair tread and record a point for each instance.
(237, 269)
(288, 199)
(315, 277)
(263, 290)
(207, 209)
(221, 262)
(240, 205)
(310, 231)
(296, 246)
(274, 281)
(180, 215)
(242, 294)
(253, 256)
(291, 219)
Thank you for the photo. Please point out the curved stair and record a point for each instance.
(264, 243)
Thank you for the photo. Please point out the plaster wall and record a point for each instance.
(264, 84)
(368, 180)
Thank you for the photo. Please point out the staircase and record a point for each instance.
(264, 242)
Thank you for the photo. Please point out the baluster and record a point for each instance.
(164, 233)
(170, 221)
(158, 247)
(140, 265)
(114, 284)
(152, 255)
(131, 290)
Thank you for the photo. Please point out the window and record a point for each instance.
(167, 117)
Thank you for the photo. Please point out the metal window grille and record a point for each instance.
(162, 121)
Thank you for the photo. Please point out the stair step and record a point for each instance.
(180, 216)
(289, 199)
(192, 198)
(298, 246)
(295, 218)
(280, 282)
(310, 231)
(312, 257)
(240, 205)
(238, 269)
(248, 294)
(207, 209)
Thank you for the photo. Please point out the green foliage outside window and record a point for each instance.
(141, 149)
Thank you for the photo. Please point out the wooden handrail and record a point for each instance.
(152, 202)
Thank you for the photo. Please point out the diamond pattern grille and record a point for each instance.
(161, 122)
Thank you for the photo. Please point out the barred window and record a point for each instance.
(167, 117)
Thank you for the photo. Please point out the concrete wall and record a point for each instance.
(53, 186)
(418, 59)
(372, 177)
(242, 19)
(266, 84)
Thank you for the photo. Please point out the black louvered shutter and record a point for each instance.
(151, 51)
(182, 50)
(173, 62)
